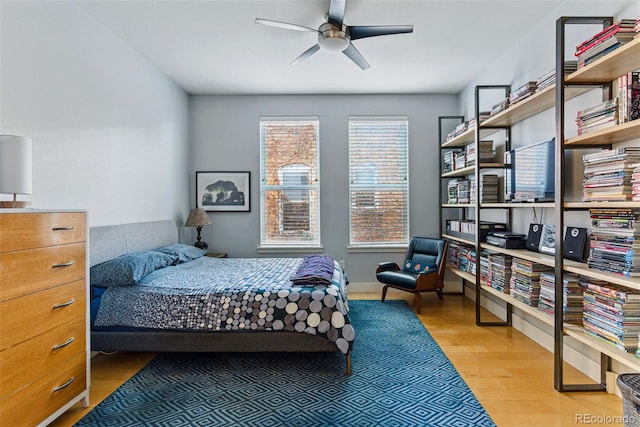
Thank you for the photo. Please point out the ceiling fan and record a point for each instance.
(335, 36)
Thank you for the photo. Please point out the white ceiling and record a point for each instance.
(215, 47)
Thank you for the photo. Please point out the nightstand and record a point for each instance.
(218, 255)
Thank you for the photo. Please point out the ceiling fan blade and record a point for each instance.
(306, 54)
(356, 56)
(362, 31)
(336, 11)
(285, 25)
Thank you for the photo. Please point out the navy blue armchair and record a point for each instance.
(422, 271)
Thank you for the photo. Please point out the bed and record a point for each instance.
(188, 303)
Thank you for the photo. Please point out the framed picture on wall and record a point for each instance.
(223, 191)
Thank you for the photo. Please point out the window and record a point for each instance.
(289, 185)
(378, 181)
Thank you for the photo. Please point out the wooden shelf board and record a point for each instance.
(534, 104)
(462, 274)
(611, 135)
(518, 205)
(610, 350)
(584, 270)
(461, 140)
(458, 205)
(532, 311)
(611, 66)
(458, 239)
(494, 165)
(522, 253)
(459, 172)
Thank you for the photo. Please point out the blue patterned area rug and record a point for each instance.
(400, 377)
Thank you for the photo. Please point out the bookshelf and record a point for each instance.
(601, 73)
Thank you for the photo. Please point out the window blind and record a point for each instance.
(378, 181)
(289, 182)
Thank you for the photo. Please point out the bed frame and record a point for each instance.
(108, 242)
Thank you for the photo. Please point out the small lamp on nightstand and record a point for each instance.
(15, 169)
(198, 218)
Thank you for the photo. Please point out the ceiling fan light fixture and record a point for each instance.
(332, 38)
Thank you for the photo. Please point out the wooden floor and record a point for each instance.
(510, 374)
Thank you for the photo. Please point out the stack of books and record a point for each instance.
(486, 154)
(499, 274)
(571, 297)
(522, 92)
(447, 161)
(600, 116)
(629, 97)
(460, 129)
(549, 78)
(489, 188)
(464, 191)
(637, 27)
(459, 160)
(525, 280)
(452, 192)
(605, 41)
(615, 241)
(612, 313)
(500, 106)
(608, 173)
(484, 267)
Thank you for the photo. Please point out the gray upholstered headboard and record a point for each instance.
(109, 241)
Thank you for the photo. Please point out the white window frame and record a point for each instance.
(312, 186)
(398, 183)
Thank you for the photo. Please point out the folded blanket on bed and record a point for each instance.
(315, 269)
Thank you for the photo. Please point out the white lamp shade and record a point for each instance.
(15, 164)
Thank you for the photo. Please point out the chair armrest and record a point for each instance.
(388, 265)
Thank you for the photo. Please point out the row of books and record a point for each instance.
(467, 125)
(605, 41)
(549, 78)
(462, 257)
(599, 116)
(608, 174)
(458, 191)
(572, 290)
(615, 241)
(524, 284)
(629, 97)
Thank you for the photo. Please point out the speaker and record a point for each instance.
(576, 244)
(533, 238)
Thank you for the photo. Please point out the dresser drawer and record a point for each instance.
(25, 317)
(31, 270)
(24, 363)
(36, 230)
(34, 403)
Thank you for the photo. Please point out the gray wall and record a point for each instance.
(225, 137)
(110, 132)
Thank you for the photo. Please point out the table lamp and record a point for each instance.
(15, 169)
(198, 218)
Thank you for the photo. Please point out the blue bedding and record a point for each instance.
(230, 294)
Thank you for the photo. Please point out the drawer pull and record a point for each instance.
(64, 264)
(64, 304)
(64, 344)
(65, 385)
(63, 228)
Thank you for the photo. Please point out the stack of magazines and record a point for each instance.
(571, 297)
(612, 313)
(549, 78)
(608, 174)
(615, 241)
(522, 92)
(499, 274)
(525, 280)
(605, 41)
(600, 116)
(460, 129)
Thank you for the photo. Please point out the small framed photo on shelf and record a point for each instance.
(223, 191)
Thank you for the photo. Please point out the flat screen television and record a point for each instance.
(529, 173)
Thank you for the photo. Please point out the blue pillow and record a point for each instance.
(184, 253)
(418, 267)
(129, 269)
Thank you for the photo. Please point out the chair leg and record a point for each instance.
(384, 292)
(418, 302)
(439, 293)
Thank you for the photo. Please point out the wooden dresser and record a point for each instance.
(44, 359)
